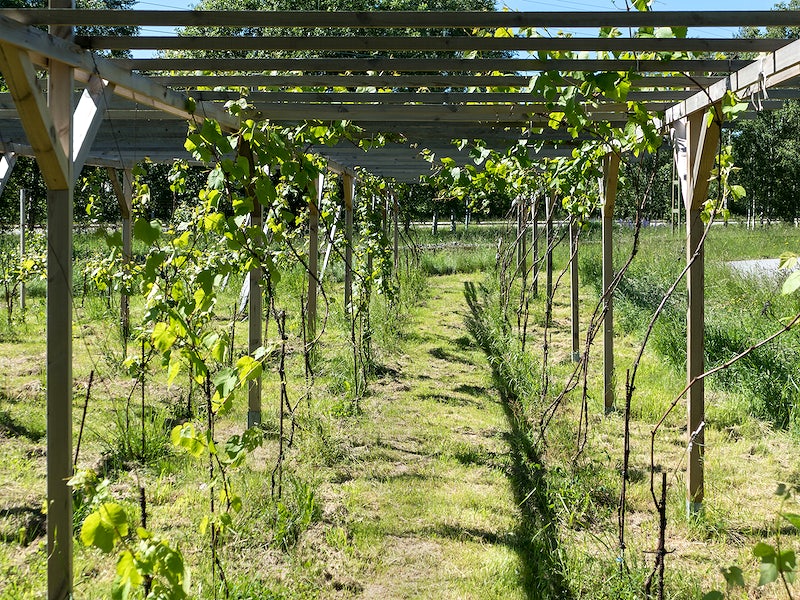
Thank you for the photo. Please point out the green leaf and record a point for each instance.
(733, 576)
(225, 382)
(793, 518)
(715, 595)
(164, 336)
(791, 284)
(185, 436)
(788, 260)
(769, 573)
(248, 369)
(105, 527)
(147, 231)
(787, 564)
(763, 550)
(128, 576)
(216, 179)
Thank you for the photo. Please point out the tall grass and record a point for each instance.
(740, 311)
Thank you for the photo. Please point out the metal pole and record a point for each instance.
(549, 238)
(313, 254)
(255, 317)
(23, 223)
(574, 300)
(349, 193)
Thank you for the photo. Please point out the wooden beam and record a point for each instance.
(87, 120)
(53, 148)
(427, 43)
(699, 139)
(608, 194)
(404, 19)
(7, 162)
(431, 65)
(378, 80)
(765, 72)
(128, 85)
(37, 121)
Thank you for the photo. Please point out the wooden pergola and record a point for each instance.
(116, 112)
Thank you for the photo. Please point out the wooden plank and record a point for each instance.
(131, 86)
(430, 65)
(400, 97)
(608, 193)
(773, 69)
(454, 81)
(7, 162)
(703, 139)
(36, 120)
(87, 120)
(53, 156)
(403, 19)
(427, 43)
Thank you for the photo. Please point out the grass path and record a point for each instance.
(425, 496)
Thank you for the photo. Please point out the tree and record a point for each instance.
(767, 147)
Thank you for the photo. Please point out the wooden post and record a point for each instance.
(59, 333)
(48, 127)
(127, 248)
(551, 205)
(23, 224)
(535, 244)
(696, 147)
(522, 238)
(255, 318)
(396, 219)
(608, 194)
(574, 300)
(349, 193)
(124, 195)
(315, 201)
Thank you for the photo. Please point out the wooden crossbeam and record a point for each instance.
(389, 81)
(404, 19)
(128, 85)
(430, 65)
(765, 72)
(87, 120)
(40, 130)
(427, 43)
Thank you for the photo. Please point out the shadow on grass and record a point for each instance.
(13, 428)
(535, 541)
